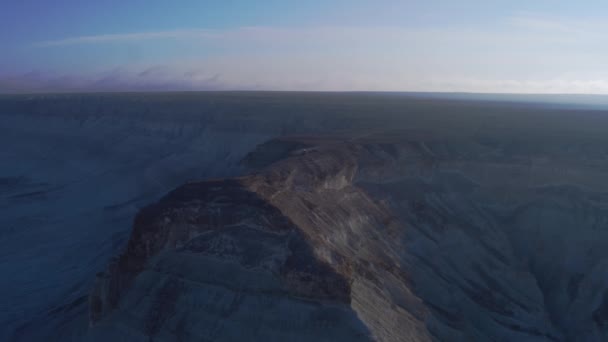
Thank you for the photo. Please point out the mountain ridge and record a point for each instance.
(424, 238)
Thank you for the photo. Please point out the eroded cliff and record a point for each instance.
(402, 236)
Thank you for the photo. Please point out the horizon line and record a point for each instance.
(169, 91)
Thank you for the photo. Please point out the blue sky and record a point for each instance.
(474, 46)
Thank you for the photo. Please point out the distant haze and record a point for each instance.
(438, 46)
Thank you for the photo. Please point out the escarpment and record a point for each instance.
(398, 237)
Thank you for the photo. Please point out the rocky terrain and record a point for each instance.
(303, 217)
(404, 236)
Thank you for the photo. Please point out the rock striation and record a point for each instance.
(402, 236)
(490, 201)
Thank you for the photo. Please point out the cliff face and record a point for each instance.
(403, 237)
(76, 169)
(215, 261)
(525, 180)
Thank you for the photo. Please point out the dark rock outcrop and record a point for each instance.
(391, 238)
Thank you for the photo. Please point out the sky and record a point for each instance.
(518, 46)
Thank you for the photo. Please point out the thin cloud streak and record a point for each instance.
(126, 37)
(253, 33)
(520, 28)
(557, 25)
(524, 53)
(165, 78)
(153, 78)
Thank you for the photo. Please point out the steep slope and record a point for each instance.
(411, 236)
(75, 169)
(69, 188)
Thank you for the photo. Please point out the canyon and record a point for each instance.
(302, 217)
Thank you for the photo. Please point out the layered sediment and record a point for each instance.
(398, 237)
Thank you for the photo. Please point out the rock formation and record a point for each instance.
(402, 236)
(385, 216)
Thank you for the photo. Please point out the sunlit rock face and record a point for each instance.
(75, 169)
(384, 217)
(408, 236)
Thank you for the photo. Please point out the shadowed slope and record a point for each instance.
(424, 238)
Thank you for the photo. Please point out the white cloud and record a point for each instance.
(127, 37)
(547, 24)
(525, 53)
